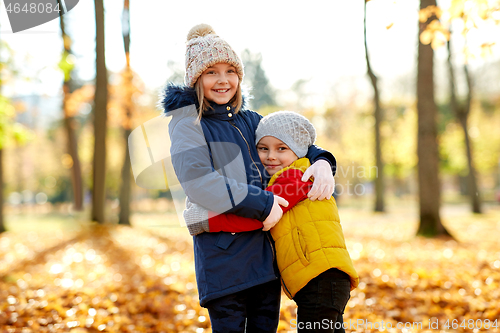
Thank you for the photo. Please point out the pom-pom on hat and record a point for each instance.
(290, 127)
(204, 49)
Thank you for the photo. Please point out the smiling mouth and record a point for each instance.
(221, 90)
(272, 166)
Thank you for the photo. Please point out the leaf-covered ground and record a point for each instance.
(141, 279)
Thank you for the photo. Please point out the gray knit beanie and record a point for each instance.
(291, 128)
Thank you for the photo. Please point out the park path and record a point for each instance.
(100, 279)
(141, 279)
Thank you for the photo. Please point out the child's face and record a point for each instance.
(274, 154)
(219, 83)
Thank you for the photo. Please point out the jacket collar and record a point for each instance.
(220, 111)
(177, 96)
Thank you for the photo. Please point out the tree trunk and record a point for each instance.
(462, 111)
(125, 191)
(474, 194)
(379, 178)
(76, 171)
(70, 124)
(427, 145)
(126, 174)
(100, 118)
(2, 227)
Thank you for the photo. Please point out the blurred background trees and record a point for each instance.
(255, 78)
(12, 133)
(437, 141)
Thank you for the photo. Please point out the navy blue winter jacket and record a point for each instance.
(218, 166)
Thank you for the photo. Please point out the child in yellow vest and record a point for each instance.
(316, 269)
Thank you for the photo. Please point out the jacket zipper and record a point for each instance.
(260, 175)
(249, 152)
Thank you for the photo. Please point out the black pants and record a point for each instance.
(322, 301)
(255, 309)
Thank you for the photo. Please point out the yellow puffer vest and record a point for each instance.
(309, 240)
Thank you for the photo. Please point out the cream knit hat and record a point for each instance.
(204, 49)
(291, 128)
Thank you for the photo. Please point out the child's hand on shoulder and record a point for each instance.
(323, 184)
(275, 214)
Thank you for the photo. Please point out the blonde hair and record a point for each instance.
(236, 101)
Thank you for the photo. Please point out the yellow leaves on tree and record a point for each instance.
(435, 34)
(481, 9)
(428, 12)
(123, 99)
(67, 62)
(479, 19)
(77, 98)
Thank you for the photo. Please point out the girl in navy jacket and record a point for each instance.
(215, 159)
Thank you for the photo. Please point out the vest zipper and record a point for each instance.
(249, 152)
(270, 243)
(286, 288)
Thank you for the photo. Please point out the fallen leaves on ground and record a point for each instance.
(105, 279)
(123, 279)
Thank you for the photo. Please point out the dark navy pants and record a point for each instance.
(254, 310)
(322, 301)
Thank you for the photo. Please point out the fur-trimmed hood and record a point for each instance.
(175, 96)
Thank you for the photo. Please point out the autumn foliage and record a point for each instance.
(141, 279)
(110, 279)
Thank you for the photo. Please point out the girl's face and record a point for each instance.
(274, 154)
(220, 83)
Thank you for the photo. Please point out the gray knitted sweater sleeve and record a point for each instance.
(196, 218)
